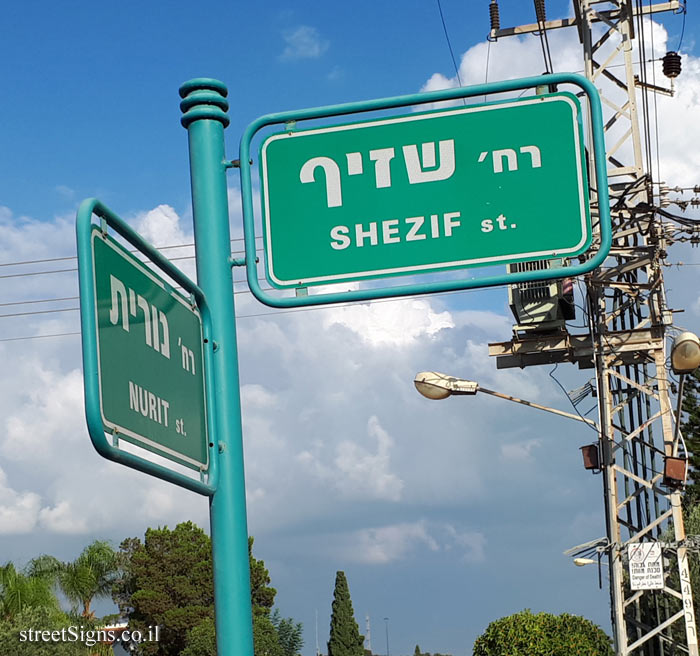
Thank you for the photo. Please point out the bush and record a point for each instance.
(543, 634)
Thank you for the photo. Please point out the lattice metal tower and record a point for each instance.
(628, 321)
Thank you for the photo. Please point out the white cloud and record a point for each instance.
(507, 59)
(18, 510)
(520, 451)
(379, 546)
(335, 74)
(52, 406)
(355, 471)
(339, 447)
(68, 488)
(161, 227)
(25, 239)
(303, 42)
(396, 323)
(472, 542)
(522, 57)
(65, 192)
(679, 164)
(62, 518)
(256, 396)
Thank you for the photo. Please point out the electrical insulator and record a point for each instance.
(695, 202)
(494, 15)
(696, 189)
(671, 64)
(540, 11)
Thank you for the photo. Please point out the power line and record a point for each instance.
(273, 312)
(35, 312)
(74, 269)
(680, 42)
(18, 339)
(133, 250)
(449, 44)
(540, 13)
(75, 298)
(48, 259)
(42, 300)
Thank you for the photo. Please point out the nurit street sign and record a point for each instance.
(150, 357)
(425, 192)
(161, 368)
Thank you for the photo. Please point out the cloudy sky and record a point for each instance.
(444, 515)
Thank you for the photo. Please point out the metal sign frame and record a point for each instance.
(560, 204)
(97, 427)
(407, 101)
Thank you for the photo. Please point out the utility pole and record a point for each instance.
(628, 320)
(368, 634)
(386, 627)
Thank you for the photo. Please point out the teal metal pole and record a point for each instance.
(204, 109)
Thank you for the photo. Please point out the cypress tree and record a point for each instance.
(345, 638)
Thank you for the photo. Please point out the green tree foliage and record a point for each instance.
(15, 639)
(265, 638)
(20, 591)
(345, 638)
(543, 634)
(691, 520)
(201, 640)
(692, 527)
(289, 634)
(123, 584)
(262, 596)
(27, 601)
(690, 428)
(90, 576)
(168, 580)
(272, 636)
(691, 433)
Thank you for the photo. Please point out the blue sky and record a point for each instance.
(445, 516)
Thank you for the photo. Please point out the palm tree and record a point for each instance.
(19, 591)
(89, 576)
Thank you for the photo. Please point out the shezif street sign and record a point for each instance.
(150, 357)
(424, 192)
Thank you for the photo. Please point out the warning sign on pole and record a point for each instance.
(646, 566)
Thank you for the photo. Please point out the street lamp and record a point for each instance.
(583, 554)
(685, 353)
(685, 359)
(434, 385)
(582, 562)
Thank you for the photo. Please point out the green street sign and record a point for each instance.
(150, 357)
(425, 192)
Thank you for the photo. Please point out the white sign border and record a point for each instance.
(440, 266)
(156, 447)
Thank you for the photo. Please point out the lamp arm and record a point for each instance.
(561, 413)
(677, 431)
